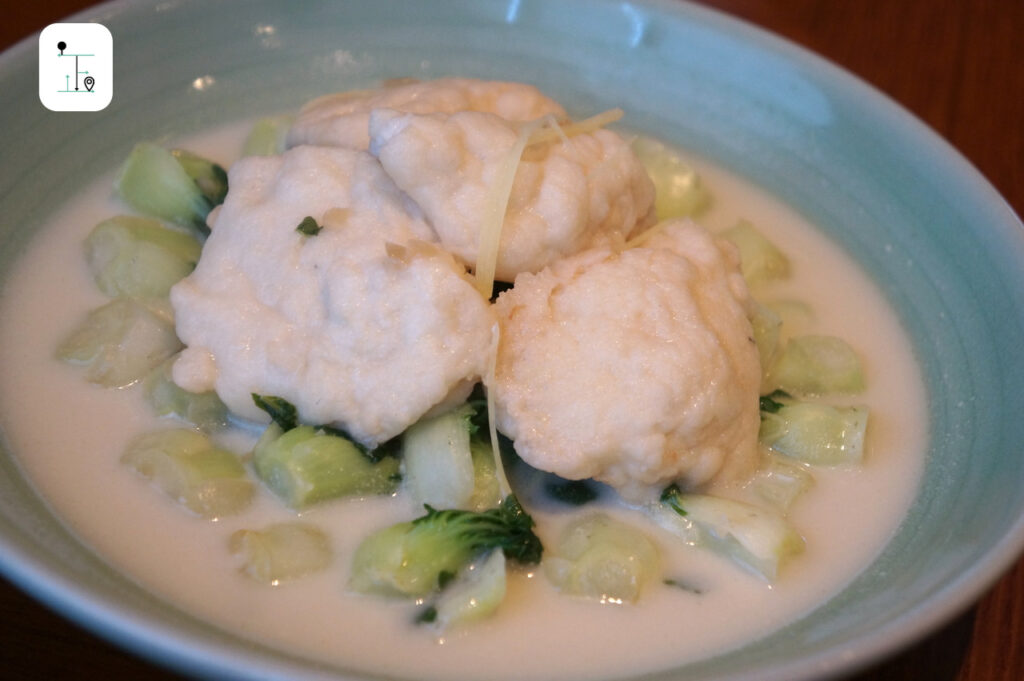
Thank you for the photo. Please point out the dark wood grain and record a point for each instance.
(956, 64)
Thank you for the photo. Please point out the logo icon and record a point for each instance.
(76, 67)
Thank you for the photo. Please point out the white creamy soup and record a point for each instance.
(69, 436)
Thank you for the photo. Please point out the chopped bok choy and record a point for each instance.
(754, 538)
(281, 552)
(447, 464)
(418, 557)
(603, 559)
(175, 186)
(438, 461)
(816, 433)
(780, 483)
(815, 365)
(122, 341)
(187, 467)
(678, 189)
(306, 465)
(267, 137)
(203, 410)
(760, 260)
(475, 593)
(139, 257)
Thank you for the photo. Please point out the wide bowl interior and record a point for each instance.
(920, 220)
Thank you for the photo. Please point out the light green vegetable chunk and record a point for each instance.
(679, 191)
(760, 260)
(187, 467)
(267, 136)
(121, 342)
(438, 462)
(153, 182)
(780, 483)
(306, 465)
(475, 594)
(797, 316)
(601, 558)
(816, 433)
(210, 177)
(203, 410)
(756, 539)
(417, 557)
(281, 552)
(815, 365)
(139, 257)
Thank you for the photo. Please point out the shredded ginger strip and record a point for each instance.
(595, 122)
(494, 212)
(493, 219)
(499, 468)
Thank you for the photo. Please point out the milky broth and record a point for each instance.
(68, 436)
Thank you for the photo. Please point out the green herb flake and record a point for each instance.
(308, 226)
(770, 403)
(281, 411)
(685, 586)
(427, 616)
(670, 497)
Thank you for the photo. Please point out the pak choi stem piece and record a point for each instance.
(121, 342)
(601, 558)
(475, 593)
(205, 410)
(188, 468)
(138, 257)
(305, 465)
(815, 365)
(181, 189)
(418, 557)
(281, 552)
(760, 260)
(756, 539)
(816, 433)
(438, 459)
(678, 188)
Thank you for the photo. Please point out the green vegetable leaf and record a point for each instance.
(684, 585)
(507, 527)
(770, 403)
(427, 616)
(281, 411)
(308, 226)
(670, 497)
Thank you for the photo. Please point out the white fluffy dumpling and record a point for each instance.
(364, 325)
(568, 195)
(341, 119)
(634, 368)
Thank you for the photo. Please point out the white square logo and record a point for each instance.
(76, 67)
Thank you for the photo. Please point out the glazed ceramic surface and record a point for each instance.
(918, 218)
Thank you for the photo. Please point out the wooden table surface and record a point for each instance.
(957, 64)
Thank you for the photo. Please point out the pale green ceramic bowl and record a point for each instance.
(925, 225)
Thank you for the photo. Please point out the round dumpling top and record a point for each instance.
(636, 368)
(364, 325)
(568, 195)
(341, 119)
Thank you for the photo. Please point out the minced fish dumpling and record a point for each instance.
(364, 324)
(341, 119)
(568, 195)
(635, 368)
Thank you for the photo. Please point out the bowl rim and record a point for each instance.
(164, 644)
